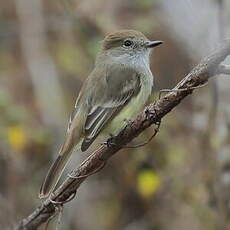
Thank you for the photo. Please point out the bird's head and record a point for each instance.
(128, 43)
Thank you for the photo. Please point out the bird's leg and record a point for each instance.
(110, 143)
(150, 115)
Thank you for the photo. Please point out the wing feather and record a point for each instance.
(127, 85)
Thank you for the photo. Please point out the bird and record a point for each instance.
(118, 87)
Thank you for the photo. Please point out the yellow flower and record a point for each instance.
(16, 137)
(147, 182)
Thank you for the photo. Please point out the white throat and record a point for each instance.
(138, 61)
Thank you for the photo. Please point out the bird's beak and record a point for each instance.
(151, 44)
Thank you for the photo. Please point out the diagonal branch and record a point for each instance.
(152, 114)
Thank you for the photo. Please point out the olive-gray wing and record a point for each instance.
(118, 92)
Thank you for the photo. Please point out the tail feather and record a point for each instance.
(54, 174)
(73, 138)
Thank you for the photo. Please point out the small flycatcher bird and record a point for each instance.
(117, 88)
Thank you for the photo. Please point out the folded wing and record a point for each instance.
(120, 87)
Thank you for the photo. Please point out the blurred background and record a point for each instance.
(181, 180)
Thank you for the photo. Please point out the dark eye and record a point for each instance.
(128, 43)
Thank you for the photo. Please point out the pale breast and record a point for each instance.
(134, 107)
(136, 104)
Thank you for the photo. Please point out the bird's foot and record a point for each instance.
(152, 115)
(109, 142)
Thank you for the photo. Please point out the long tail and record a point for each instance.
(54, 174)
(73, 138)
(57, 168)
